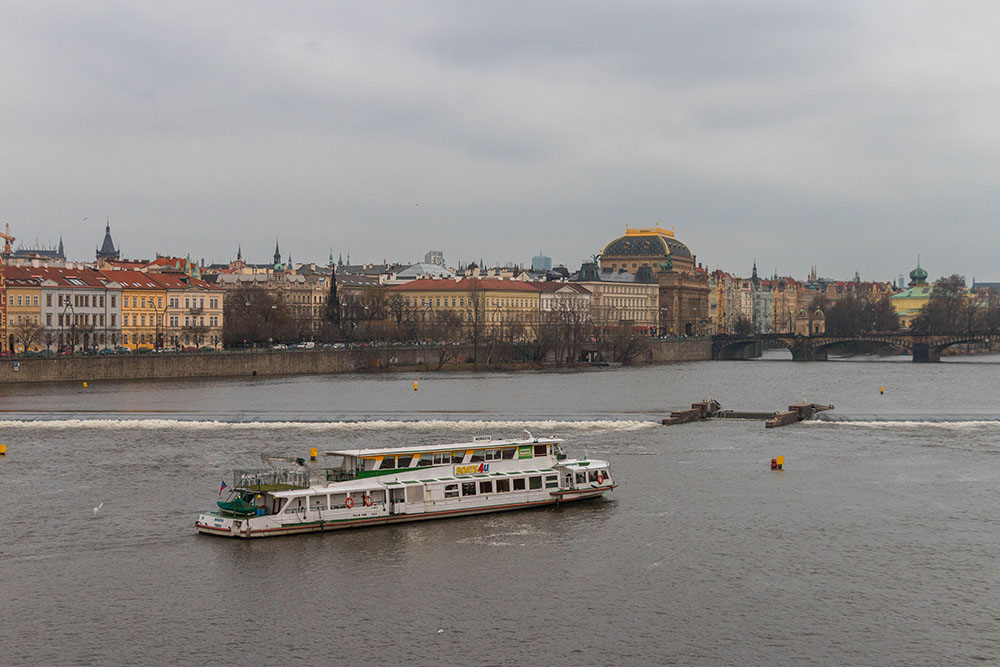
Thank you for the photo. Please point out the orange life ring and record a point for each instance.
(368, 501)
(600, 478)
(349, 503)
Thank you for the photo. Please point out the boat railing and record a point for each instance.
(340, 475)
(271, 480)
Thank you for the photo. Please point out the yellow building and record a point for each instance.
(143, 303)
(25, 326)
(911, 301)
(488, 302)
(168, 310)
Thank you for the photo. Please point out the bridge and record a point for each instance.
(925, 347)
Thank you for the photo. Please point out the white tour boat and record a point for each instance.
(380, 486)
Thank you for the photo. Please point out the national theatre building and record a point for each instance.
(683, 284)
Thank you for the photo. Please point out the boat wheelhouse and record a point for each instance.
(377, 486)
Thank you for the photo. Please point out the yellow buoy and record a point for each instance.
(312, 453)
(881, 390)
(781, 462)
(414, 385)
(3, 450)
(84, 385)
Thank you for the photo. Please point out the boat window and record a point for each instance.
(403, 461)
(426, 460)
(451, 490)
(551, 481)
(492, 454)
(294, 505)
(477, 456)
(486, 487)
(337, 499)
(317, 502)
(368, 464)
(519, 484)
(469, 489)
(457, 457)
(388, 463)
(508, 452)
(581, 477)
(534, 482)
(540, 450)
(439, 458)
(592, 474)
(377, 496)
(503, 485)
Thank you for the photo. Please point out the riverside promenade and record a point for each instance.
(284, 362)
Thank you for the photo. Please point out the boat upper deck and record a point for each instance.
(452, 447)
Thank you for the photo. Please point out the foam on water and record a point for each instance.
(334, 426)
(896, 424)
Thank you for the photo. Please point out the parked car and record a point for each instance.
(189, 348)
(106, 351)
(279, 346)
(46, 353)
(65, 352)
(122, 350)
(206, 348)
(143, 350)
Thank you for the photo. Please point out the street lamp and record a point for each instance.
(160, 317)
(72, 337)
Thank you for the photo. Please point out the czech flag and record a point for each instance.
(223, 487)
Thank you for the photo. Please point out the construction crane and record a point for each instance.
(8, 240)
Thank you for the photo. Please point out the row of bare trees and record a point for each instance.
(564, 334)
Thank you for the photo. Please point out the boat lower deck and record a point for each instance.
(228, 526)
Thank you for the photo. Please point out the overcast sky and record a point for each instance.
(849, 135)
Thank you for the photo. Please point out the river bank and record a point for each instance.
(292, 362)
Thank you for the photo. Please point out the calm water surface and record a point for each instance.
(877, 545)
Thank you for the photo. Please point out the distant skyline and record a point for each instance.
(851, 136)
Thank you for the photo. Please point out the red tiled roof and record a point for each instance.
(465, 285)
(62, 276)
(157, 281)
(554, 286)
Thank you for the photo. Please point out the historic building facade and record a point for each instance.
(683, 284)
(622, 297)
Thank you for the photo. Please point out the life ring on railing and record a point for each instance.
(368, 501)
(349, 503)
(600, 477)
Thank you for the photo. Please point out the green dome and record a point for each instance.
(918, 275)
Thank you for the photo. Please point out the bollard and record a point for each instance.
(414, 385)
(312, 453)
(781, 462)
(774, 464)
(881, 390)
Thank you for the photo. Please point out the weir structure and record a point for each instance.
(925, 347)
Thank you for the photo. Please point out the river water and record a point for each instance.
(878, 544)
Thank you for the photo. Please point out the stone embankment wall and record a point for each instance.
(693, 349)
(284, 362)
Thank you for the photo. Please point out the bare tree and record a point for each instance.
(476, 317)
(26, 333)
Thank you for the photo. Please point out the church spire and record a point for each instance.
(277, 253)
(239, 253)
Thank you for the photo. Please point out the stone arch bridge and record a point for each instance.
(925, 347)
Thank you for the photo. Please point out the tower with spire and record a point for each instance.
(278, 266)
(107, 251)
